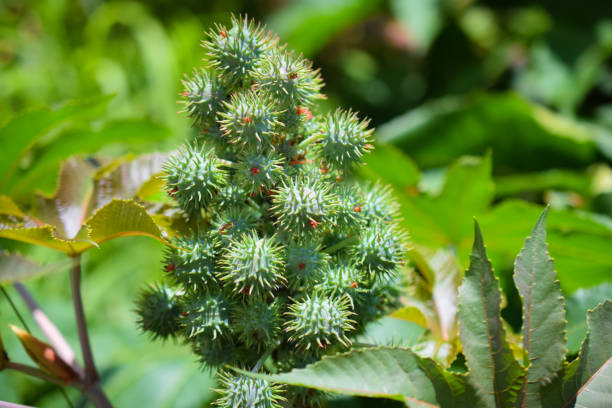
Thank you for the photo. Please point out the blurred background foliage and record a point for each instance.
(485, 108)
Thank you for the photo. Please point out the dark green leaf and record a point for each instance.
(597, 391)
(522, 135)
(494, 372)
(543, 313)
(577, 306)
(596, 350)
(293, 23)
(383, 372)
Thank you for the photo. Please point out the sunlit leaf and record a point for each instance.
(411, 314)
(67, 209)
(121, 218)
(116, 219)
(45, 356)
(20, 133)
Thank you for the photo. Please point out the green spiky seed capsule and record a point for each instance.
(191, 262)
(193, 177)
(250, 119)
(289, 78)
(236, 51)
(203, 97)
(158, 312)
(253, 265)
(302, 204)
(380, 249)
(305, 260)
(345, 139)
(319, 321)
(206, 315)
(258, 324)
(240, 391)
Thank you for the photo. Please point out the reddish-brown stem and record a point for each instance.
(91, 373)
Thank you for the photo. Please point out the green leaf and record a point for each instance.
(577, 306)
(4, 360)
(432, 302)
(578, 241)
(422, 19)
(16, 268)
(543, 313)
(121, 218)
(42, 174)
(597, 392)
(293, 23)
(382, 372)
(128, 178)
(522, 135)
(116, 219)
(551, 179)
(444, 220)
(411, 314)
(67, 209)
(392, 166)
(596, 350)
(23, 131)
(494, 372)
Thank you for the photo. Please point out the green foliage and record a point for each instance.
(541, 377)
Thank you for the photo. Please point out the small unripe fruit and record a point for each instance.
(302, 204)
(253, 265)
(158, 312)
(344, 139)
(318, 321)
(193, 176)
(240, 391)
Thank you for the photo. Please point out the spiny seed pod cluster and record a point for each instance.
(285, 257)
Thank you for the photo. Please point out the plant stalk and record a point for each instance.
(91, 373)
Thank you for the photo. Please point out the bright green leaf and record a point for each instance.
(121, 218)
(392, 166)
(42, 174)
(543, 313)
(20, 133)
(494, 372)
